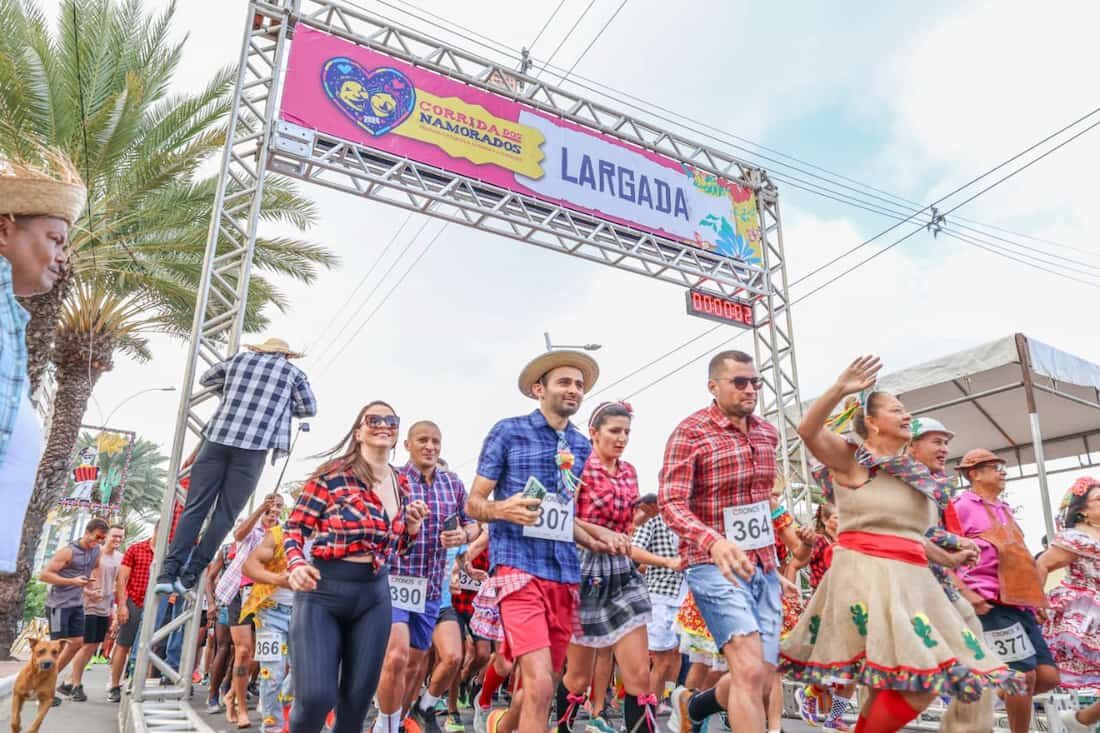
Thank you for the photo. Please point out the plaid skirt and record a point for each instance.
(614, 599)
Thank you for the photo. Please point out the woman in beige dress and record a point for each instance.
(879, 618)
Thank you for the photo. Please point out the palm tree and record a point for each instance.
(98, 89)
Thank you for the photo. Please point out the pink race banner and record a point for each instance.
(368, 98)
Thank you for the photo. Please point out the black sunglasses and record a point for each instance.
(742, 382)
(374, 421)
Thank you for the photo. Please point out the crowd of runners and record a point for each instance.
(393, 597)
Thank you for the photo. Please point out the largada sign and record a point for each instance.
(377, 101)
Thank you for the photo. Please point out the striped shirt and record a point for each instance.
(260, 393)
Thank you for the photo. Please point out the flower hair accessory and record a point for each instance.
(1080, 487)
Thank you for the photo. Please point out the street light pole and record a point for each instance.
(550, 346)
(111, 414)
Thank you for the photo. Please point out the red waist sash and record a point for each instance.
(888, 546)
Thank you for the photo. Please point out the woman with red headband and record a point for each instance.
(879, 617)
(614, 605)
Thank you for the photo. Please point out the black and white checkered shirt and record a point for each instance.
(260, 393)
(656, 537)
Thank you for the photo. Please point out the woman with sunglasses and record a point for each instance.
(879, 617)
(614, 598)
(356, 508)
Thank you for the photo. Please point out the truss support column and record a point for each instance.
(1036, 433)
(218, 321)
(775, 355)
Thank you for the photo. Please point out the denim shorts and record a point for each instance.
(1003, 617)
(738, 609)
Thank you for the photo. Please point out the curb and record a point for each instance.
(6, 685)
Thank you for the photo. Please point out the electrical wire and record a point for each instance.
(595, 38)
(375, 289)
(647, 107)
(362, 281)
(889, 247)
(569, 33)
(545, 25)
(385, 298)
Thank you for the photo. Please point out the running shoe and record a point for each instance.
(663, 709)
(836, 724)
(114, 694)
(424, 719)
(454, 723)
(213, 707)
(1072, 724)
(480, 716)
(678, 719)
(77, 694)
(65, 689)
(599, 724)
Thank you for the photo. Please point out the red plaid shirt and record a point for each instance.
(709, 465)
(820, 560)
(139, 558)
(607, 500)
(346, 518)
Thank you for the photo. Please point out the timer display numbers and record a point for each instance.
(733, 311)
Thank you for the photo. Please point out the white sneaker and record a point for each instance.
(678, 719)
(1072, 724)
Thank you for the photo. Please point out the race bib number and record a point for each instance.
(1011, 644)
(408, 594)
(465, 582)
(555, 520)
(269, 647)
(749, 526)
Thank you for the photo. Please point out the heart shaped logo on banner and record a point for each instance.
(377, 101)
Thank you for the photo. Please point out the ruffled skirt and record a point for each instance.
(887, 624)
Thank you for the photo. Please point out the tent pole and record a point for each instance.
(1036, 432)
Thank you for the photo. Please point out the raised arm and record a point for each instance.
(828, 447)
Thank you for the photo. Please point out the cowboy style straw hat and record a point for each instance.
(274, 346)
(45, 183)
(546, 362)
(978, 457)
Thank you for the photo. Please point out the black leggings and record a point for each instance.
(338, 636)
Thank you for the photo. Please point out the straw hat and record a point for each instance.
(45, 184)
(275, 346)
(550, 360)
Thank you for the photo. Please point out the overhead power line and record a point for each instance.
(647, 107)
(898, 241)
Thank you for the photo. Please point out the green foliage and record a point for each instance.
(35, 604)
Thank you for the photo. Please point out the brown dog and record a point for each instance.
(38, 680)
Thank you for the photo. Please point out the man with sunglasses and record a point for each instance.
(260, 392)
(715, 489)
(416, 582)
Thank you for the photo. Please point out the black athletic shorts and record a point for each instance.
(127, 633)
(95, 628)
(235, 613)
(66, 623)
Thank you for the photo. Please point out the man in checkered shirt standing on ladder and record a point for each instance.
(260, 392)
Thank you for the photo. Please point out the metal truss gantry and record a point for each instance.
(259, 142)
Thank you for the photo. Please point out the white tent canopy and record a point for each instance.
(1026, 401)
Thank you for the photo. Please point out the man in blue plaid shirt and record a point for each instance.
(261, 391)
(40, 197)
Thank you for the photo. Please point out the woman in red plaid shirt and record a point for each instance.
(614, 607)
(356, 508)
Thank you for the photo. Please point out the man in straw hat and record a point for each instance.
(1004, 585)
(261, 390)
(531, 465)
(40, 198)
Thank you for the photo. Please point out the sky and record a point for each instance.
(911, 99)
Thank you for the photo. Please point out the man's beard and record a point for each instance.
(557, 405)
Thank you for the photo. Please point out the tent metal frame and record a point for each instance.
(259, 142)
